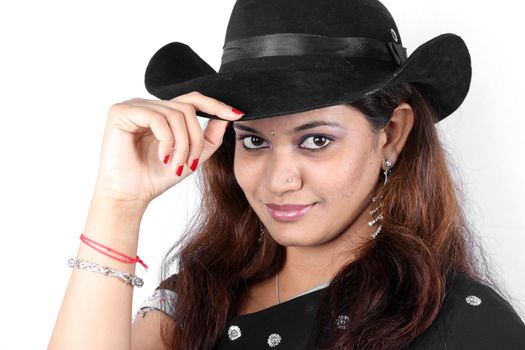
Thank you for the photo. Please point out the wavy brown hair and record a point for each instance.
(393, 289)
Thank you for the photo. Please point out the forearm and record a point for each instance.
(96, 310)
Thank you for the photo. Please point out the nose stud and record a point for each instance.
(290, 180)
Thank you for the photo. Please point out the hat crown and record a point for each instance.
(336, 18)
(299, 55)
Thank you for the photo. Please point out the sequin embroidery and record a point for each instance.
(274, 339)
(234, 332)
(342, 321)
(473, 300)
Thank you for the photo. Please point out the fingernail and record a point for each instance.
(236, 111)
(179, 170)
(194, 164)
(166, 159)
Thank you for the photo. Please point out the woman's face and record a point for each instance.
(334, 167)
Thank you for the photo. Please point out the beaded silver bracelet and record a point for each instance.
(106, 271)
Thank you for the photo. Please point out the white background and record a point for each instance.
(64, 63)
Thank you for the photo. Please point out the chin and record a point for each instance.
(299, 239)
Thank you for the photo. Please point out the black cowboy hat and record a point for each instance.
(282, 57)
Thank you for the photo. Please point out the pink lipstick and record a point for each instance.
(288, 212)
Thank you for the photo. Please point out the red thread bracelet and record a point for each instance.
(126, 259)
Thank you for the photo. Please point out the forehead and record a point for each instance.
(342, 115)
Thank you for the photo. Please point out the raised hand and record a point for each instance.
(141, 134)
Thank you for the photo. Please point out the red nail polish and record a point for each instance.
(179, 170)
(236, 111)
(194, 164)
(166, 159)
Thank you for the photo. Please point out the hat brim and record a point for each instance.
(272, 86)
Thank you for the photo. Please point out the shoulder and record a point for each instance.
(474, 316)
(160, 307)
(162, 299)
(477, 314)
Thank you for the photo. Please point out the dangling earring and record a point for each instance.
(379, 216)
(388, 170)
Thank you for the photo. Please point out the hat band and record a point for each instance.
(298, 44)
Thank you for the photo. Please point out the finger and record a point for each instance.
(213, 137)
(210, 105)
(195, 134)
(177, 123)
(133, 118)
(182, 148)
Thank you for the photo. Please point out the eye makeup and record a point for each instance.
(328, 140)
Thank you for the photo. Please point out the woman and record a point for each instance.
(329, 218)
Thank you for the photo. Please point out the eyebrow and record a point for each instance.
(309, 125)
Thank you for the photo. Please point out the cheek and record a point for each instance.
(239, 170)
(350, 176)
(246, 171)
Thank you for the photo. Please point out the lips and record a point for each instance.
(288, 212)
(287, 207)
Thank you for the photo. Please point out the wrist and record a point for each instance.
(120, 205)
(115, 222)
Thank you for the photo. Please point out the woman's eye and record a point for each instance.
(252, 142)
(312, 143)
(316, 142)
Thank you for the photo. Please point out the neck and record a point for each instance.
(306, 267)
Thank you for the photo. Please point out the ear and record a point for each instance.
(396, 132)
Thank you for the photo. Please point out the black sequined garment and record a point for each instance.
(473, 316)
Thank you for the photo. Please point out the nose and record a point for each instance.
(283, 172)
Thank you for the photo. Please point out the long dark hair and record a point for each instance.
(393, 289)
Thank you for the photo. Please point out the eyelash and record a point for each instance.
(242, 137)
